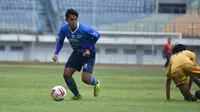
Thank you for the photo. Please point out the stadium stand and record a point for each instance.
(188, 24)
(151, 23)
(46, 16)
(35, 16)
(105, 12)
(23, 16)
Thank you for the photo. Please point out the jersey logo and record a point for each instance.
(73, 36)
(79, 36)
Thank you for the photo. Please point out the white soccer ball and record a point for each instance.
(58, 93)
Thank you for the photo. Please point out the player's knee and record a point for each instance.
(85, 80)
(66, 76)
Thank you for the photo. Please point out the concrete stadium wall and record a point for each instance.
(106, 54)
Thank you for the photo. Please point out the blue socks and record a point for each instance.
(93, 81)
(72, 85)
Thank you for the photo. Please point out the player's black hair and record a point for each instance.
(71, 12)
(178, 48)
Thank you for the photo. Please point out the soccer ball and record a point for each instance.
(58, 93)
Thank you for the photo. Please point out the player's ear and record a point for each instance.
(66, 20)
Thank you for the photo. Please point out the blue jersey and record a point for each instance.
(84, 37)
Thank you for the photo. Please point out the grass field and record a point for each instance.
(27, 89)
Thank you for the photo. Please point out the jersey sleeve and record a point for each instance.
(169, 69)
(61, 34)
(193, 57)
(61, 38)
(94, 35)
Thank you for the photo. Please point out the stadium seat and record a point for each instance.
(20, 16)
(188, 24)
(118, 11)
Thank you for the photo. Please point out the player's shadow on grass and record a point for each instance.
(83, 99)
(180, 101)
(105, 98)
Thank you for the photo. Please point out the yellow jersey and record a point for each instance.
(178, 59)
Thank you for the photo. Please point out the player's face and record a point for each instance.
(72, 21)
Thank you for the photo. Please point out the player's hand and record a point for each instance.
(86, 53)
(55, 58)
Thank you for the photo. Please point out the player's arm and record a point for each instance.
(192, 56)
(94, 35)
(168, 85)
(59, 45)
(194, 59)
(168, 82)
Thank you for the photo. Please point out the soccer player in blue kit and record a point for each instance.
(82, 39)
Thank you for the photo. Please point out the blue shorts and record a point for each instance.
(77, 61)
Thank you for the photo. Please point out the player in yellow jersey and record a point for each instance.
(183, 64)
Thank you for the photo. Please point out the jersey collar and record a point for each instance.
(75, 29)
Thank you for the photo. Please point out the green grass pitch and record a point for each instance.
(27, 89)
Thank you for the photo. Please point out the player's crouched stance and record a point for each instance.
(82, 39)
(183, 64)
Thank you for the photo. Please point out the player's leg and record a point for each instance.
(180, 79)
(192, 70)
(87, 77)
(167, 61)
(184, 88)
(185, 91)
(69, 80)
(196, 81)
(71, 66)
